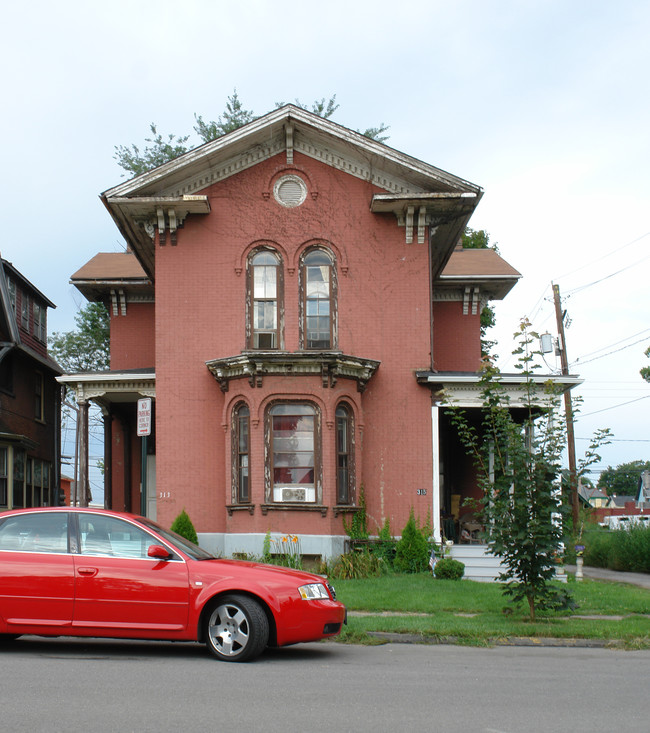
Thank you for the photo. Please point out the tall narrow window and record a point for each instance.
(343, 455)
(39, 407)
(317, 300)
(19, 478)
(24, 311)
(11, 285)
(40, 329)
(241, 445)
(3, 477)
(293, 452)
(264, 304)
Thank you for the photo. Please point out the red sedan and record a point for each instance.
(89, 572)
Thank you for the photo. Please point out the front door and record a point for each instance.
(120, 588)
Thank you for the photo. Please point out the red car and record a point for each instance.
(89, 572)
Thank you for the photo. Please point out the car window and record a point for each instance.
(35, 532)
(102, 535)
(180, 543)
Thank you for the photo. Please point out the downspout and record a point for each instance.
(435, 416)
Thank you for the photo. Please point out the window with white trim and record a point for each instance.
(318, 301)
(294, 440)
(264, 300)
(241, 454)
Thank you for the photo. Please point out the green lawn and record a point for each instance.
(478, 613)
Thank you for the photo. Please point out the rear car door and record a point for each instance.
(36, 571)
(120, 588)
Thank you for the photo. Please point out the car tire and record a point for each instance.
(236, 629)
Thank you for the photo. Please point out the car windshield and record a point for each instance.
(180, 543)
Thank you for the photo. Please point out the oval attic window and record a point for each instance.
(290, 191)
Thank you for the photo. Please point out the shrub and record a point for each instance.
(183, 526)
(386, 545)
(357, 565)
(412, 551)
(449, 569)
(358, 529)
(619, 549)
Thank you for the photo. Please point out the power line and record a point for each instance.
(605, 256)
(613, 407)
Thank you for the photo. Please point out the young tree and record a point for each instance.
(519, 464)
(162, 149)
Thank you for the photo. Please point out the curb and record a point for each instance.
(529, 641)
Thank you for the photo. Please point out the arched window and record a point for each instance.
(293, 441)
(344, 454)
(241, 454)
(318, 300)
(264, 292)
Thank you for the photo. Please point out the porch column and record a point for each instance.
(435, 451)
(82, 428)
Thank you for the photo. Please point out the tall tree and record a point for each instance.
(234, 117)
(87, 348)
(158, 151)
(161, 149)
(645, 371)
(624, 479)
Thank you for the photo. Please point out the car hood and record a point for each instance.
(276, 571)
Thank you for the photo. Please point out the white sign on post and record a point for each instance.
(144, 416)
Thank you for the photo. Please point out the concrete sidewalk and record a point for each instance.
(640, 579)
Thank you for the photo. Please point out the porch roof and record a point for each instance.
(109, 387)
(463, 389)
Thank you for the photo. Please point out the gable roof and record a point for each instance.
(171, 192)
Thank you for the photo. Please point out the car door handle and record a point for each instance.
(87, 571)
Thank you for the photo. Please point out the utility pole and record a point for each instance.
(568, 408)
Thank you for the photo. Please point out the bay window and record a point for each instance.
(293, 441)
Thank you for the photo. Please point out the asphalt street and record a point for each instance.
(100, 686)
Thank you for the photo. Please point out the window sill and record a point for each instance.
(345, 509)
(293, 506)
(230, 508)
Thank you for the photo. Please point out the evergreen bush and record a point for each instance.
(183, 526)
(412, 551)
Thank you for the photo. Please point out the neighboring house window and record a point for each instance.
(318, 306)
(38, 482)
(4, 479)
(40, 328)
(265, 290)
(344, 454)
(39, 405)
(293, 452)
(24, 311)
(11, 285)
(18, 499)
(241, 454)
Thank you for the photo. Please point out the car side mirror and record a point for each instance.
(159, 552)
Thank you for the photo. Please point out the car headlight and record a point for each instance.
(313, 592)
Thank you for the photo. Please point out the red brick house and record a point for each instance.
(30, 398)
(293, 299)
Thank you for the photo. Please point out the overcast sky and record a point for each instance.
(544, 104)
